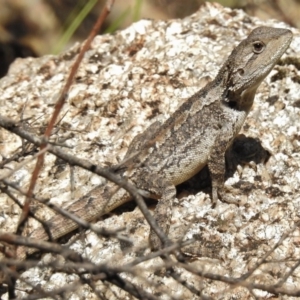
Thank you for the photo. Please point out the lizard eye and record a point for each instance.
(258, 47)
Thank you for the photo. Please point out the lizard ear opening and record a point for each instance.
(241, 72)
(258, 47)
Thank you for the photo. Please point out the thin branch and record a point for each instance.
(58, 107)
(21, 165)
(263, 259)
(42, 245)
(85, 164)
(287, 275)
(273, 289)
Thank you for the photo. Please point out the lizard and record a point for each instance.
(197, 134)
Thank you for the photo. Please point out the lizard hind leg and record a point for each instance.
(163, 210)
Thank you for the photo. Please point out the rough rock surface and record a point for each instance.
(126, 82)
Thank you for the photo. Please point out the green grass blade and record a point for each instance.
(78, 19)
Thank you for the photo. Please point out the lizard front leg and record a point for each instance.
(216, 165)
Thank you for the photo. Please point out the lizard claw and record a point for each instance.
(222, 196)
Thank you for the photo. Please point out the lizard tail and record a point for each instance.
(98, 202)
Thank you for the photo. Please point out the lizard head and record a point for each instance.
(252, 60)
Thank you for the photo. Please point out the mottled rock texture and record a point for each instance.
(126, 82)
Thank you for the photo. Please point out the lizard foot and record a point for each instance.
(224, 197)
